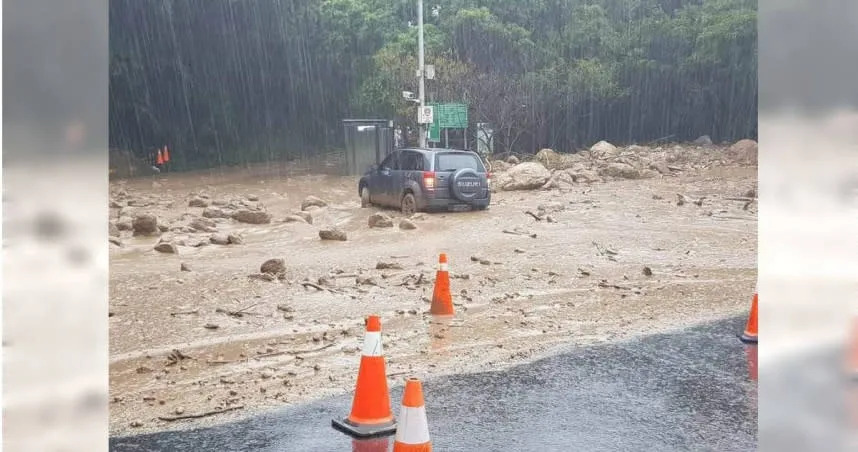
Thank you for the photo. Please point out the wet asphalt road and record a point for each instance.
(684, 391)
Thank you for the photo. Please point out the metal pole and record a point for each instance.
(422, 68)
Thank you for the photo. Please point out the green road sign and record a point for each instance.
(447, 116)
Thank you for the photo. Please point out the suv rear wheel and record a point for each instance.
(364, 197)
(408, 204)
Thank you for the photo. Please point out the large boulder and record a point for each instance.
(198, 202)
(584, 176)
(407, 225)
(380, 220)
(112, 230)
(703, 141)
(312, 201)
(273, 266)
(215, 212)
(203, 225)
(333, 234)
(125, 223)
(561, 180)
(167, 248)
(619, 170)
(743, 151)
(219, 239)
(548, 158)
(252, 216)
(513, 160)
(500, 165)
(145, 224)
(603, 149)
(525, 176)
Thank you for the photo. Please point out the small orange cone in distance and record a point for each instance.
(371, 414)
(160, 159)
(442, 301)
(750, 334)
(852, 352)
(413, 432)
(166, 154)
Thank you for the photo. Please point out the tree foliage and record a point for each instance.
(227, 82)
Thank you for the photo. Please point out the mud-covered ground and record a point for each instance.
(247, 341)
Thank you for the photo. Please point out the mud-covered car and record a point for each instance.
(415, 180)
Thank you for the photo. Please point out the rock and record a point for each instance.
(647, 271)
(112, 230)
(743, 151)
(407, 225)
(115, 204)
(333, 234)
(179, 410)
(500, 165)
(145, 224)
(198, 202)
(307, 216)
(163, 227)
(312, 201)
(548, 158)
(167, 247)
(137, 203)
(296, 219)
(604, 149)
(513, 160)
(380, 220)
(125, 223)
(273, 266)
(660, 167)
(136, 424)
(388, 266)
(235, 239)
(215, 212)
(219, 239)
(184, 267)
(220, 202)
(252, 216)
(703, 141)
(560, 179)
(211, 326)
(253, 198)
(203, 225)
(526, 176)
(620, 171)
(585, 176)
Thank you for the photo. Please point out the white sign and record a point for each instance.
(430, 72)
(425, 115)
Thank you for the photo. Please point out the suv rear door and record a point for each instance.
(410, 172)
(448, 163)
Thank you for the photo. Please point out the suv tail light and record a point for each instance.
(429, 180)
(489, 180)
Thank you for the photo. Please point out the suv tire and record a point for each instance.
(364, 197)
(408, 205)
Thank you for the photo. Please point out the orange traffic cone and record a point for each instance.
(413, 432)
(370, 415)
(750, 334)
(852, 352)
(370, 445)
(160, 159)
(442, 301)
(166, 154)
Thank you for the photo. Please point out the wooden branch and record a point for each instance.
(195, 311)
(268, 355)
(535, 217)
(199, 415)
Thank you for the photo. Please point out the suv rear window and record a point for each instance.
(457, 161)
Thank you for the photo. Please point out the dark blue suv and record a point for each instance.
(415, 180)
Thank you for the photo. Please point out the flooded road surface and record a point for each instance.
(686, 390)
(616, 260)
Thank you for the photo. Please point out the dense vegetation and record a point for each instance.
(226, 82)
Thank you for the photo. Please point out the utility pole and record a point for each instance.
(421, 69)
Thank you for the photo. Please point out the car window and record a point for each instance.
(411, 161)
(457, 161)
(391, 162)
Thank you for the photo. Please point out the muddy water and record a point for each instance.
(534, 293)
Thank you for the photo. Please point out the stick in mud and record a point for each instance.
(199, 415)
